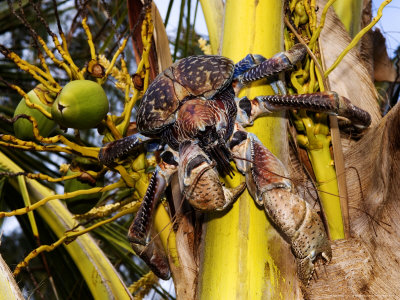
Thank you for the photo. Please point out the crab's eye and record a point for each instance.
(245, 105)
(194, 163)
(168, 157)
(237, 138)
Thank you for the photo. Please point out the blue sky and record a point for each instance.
(389, 23)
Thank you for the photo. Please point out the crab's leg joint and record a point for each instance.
(250, 61)
(281, 62)
(119, 148)
(267, 182)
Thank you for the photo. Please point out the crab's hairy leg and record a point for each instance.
(140, 231)
(140, 227)
(328, 102)
(199, 181)
(269, 185)
(250, 61)
(116, 149)
(278, 63)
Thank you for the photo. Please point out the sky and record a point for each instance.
(389, 24)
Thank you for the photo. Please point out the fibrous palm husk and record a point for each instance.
(365, 265)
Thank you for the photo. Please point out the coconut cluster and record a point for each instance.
(81, 104)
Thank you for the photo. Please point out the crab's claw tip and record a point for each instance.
(296, 53)
(305, 269)
(154, 258)
(306, 265)
(279, 87)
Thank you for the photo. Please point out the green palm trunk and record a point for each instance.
(243, 256)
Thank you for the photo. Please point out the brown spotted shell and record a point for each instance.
(190, 77)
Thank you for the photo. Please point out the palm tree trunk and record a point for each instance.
(243, 257)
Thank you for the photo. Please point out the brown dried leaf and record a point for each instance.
(383, 66)
(351, 78)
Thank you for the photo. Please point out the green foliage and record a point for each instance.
(108, 21)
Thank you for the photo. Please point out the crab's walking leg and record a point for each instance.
(140, 231)
(280, 62)
(254, 67)
(116, 149)
(268, 184)
(329, 102)
(199, 181)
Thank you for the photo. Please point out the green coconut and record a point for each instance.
(83, 203)
(81, 104)
(23, 128)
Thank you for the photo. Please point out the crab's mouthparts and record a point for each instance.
(222, 156)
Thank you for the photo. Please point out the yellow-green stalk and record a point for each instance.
(313, 131)
(317, 142)
(349, 12)
(242, 253)
(214, 14)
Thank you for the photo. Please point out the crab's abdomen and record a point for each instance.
(192, 77)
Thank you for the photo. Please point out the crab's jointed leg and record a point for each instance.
(141, 231)
(328, 102)
(254, 67)
(267, 182)
(265, 68)
(119, 148)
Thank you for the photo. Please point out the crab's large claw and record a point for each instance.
(302, 227)
(200, 182)
(143, 240)
(269, 185)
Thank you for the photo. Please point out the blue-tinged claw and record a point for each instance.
(250, 61)
(279, 87)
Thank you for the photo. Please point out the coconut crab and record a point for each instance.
(191, 109)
